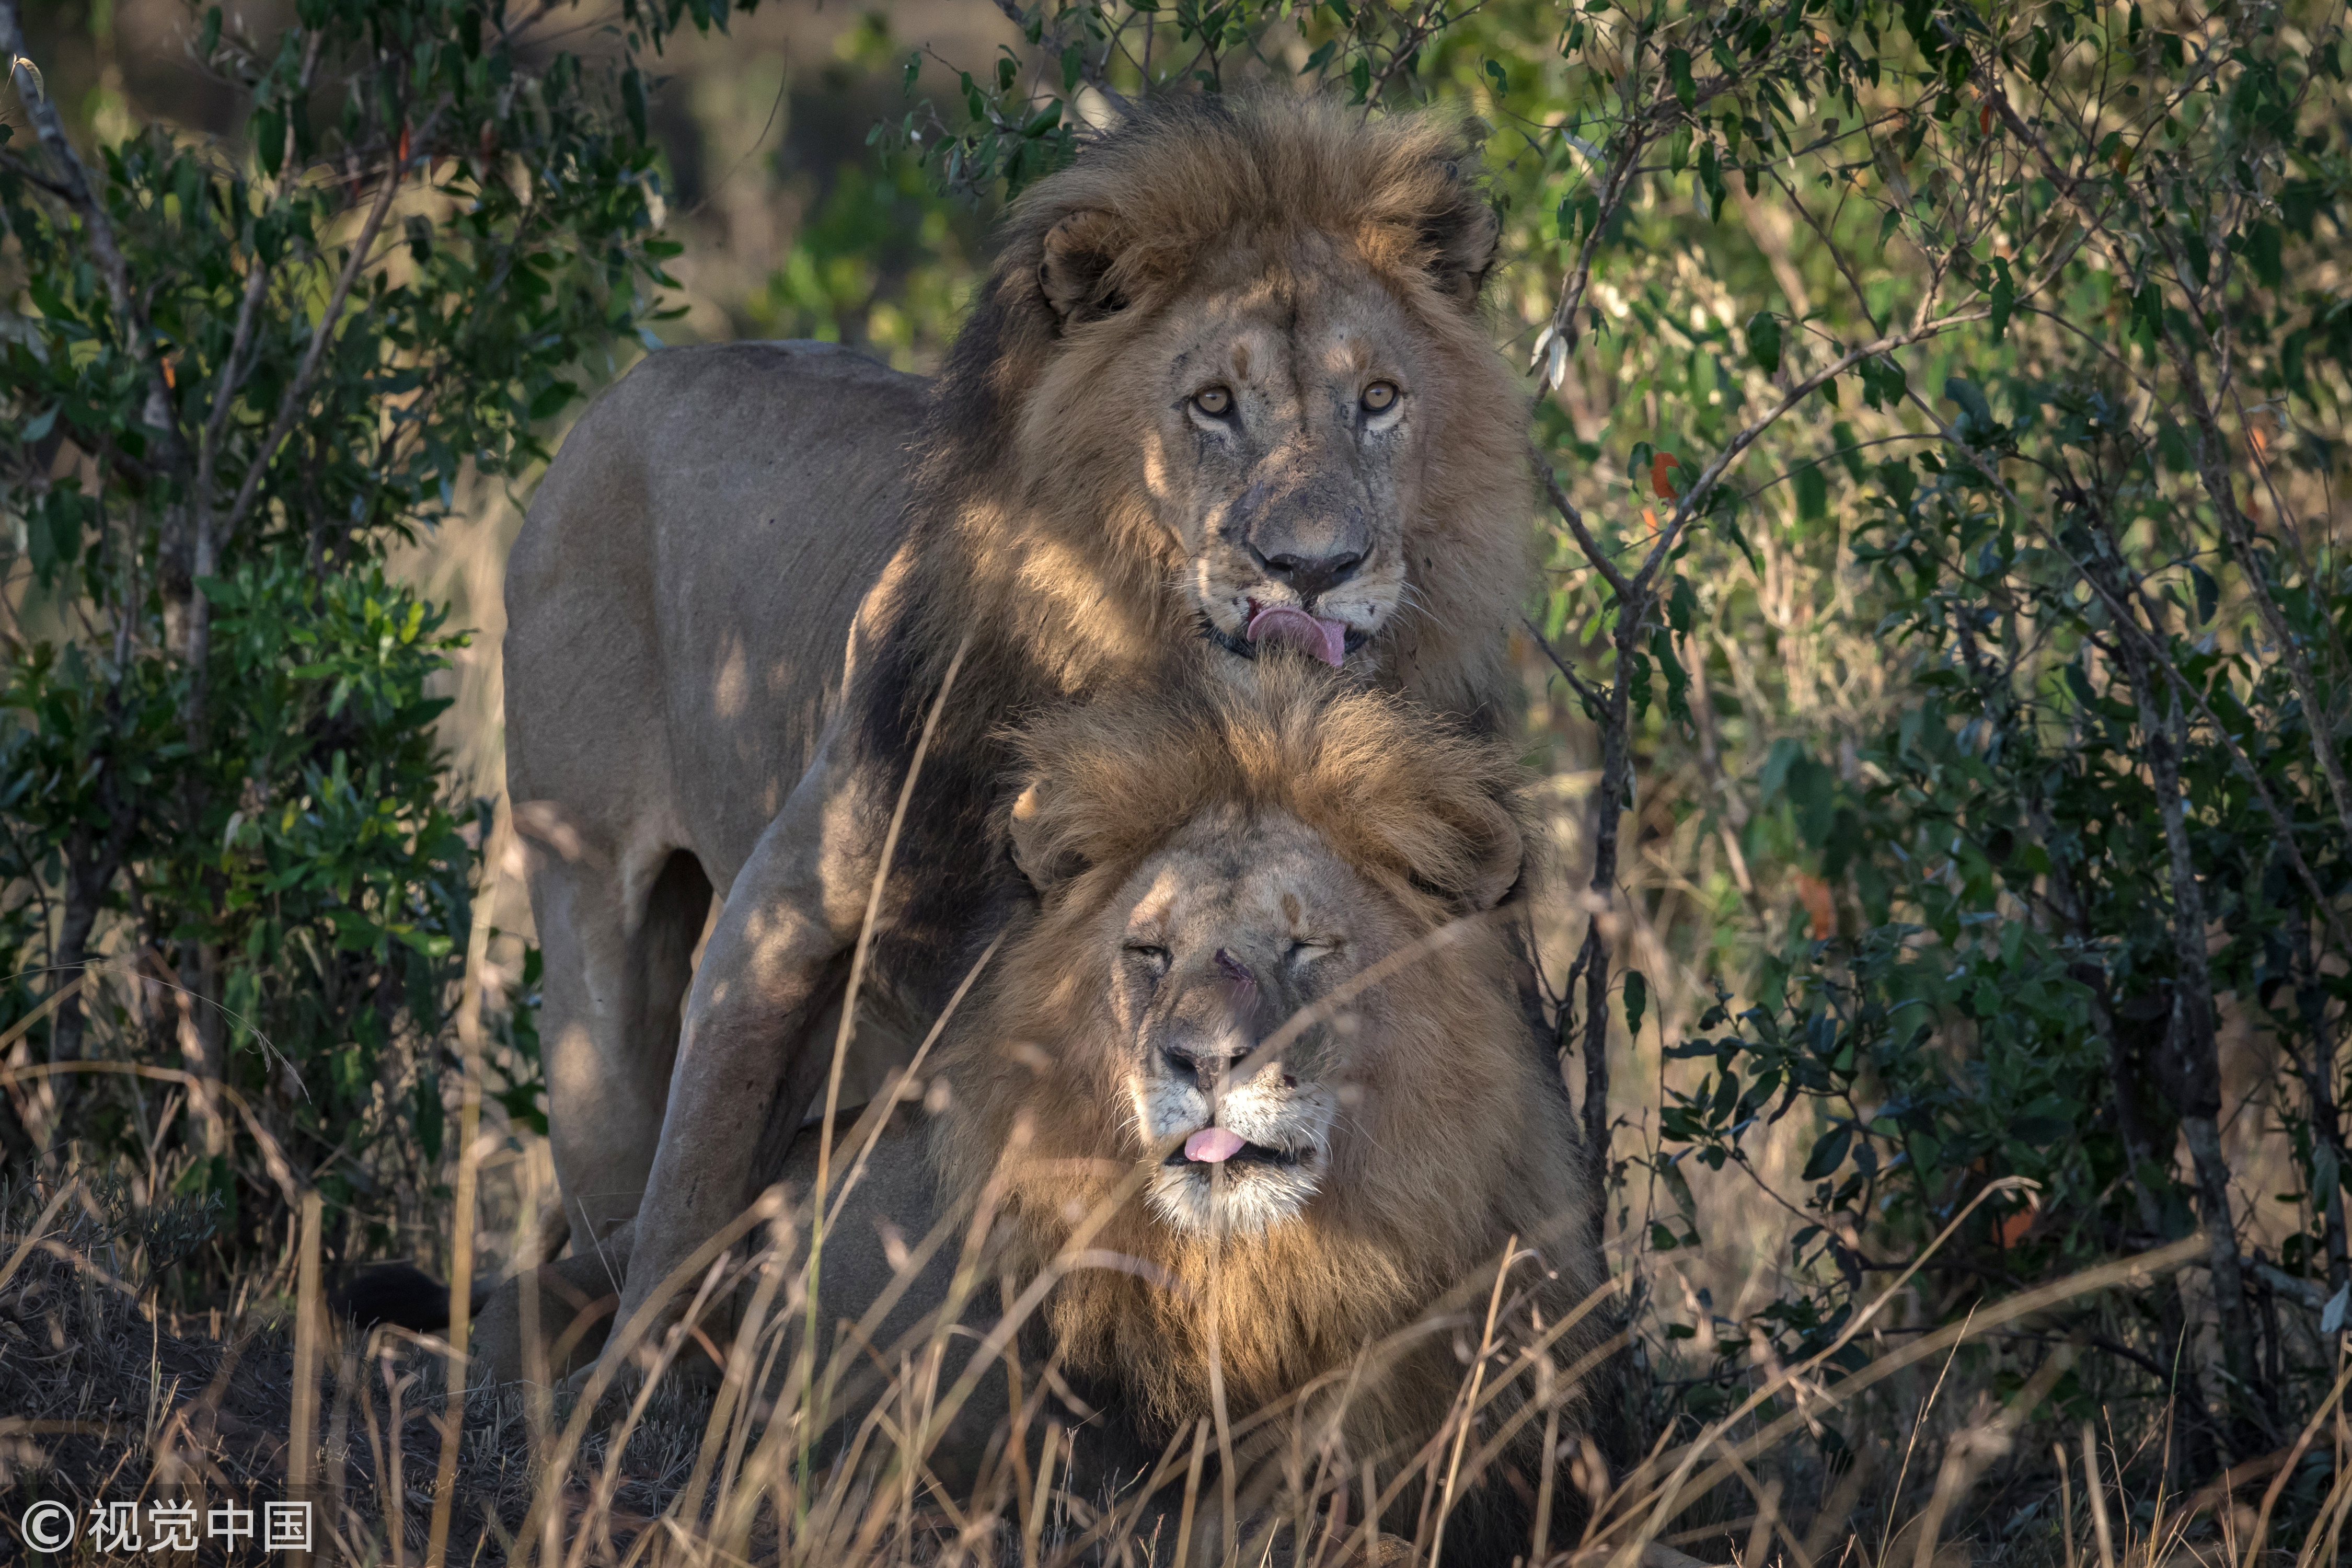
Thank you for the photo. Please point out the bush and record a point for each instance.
(234, 376)
(1949, 401)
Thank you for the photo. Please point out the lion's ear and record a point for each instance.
(1042, 859)
(1079, 251)
(1463, 237)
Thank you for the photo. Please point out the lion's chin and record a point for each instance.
(1199, 1199)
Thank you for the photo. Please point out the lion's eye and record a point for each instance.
(1380, 398)
(1213, 401)
(1153, 959)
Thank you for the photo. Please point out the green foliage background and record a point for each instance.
(1942, 641)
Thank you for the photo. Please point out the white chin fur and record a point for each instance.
(1255, 1197)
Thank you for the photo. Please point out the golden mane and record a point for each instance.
(1433, 1185)
(1410, 799)
(1044, 538)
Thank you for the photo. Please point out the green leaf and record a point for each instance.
(1637, 1001)
(428, 1115)
(1812, 492)
(2002, 299)
(2208, 594)
(2265, 254)
(1678, 71)
(1786, 753)
(553, 399)
(633, 100)
(269, 139)
(1812, 791)
(1901, 483)
(1971, 399)
(1681, 607)
(1764, 341)
(1662, 649)
(1829, 1152)
(1727, 525)
(1710, 179)
(2172, 447)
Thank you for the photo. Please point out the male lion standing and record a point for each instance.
(1225, 387)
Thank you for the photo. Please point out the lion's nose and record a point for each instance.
(1312, 576)
(1202, 1066)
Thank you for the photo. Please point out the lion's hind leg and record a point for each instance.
(616, 966)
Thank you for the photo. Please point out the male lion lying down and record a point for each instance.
(1242, 1110)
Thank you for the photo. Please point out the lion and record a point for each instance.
(1225, 399)
(1246, 1082)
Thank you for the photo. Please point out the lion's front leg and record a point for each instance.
(746, 1062)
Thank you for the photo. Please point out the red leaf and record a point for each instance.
(1658, 467)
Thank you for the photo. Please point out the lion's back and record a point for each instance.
(678, 600)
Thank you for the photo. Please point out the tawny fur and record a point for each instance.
(741, 585)
(1458, 1144)
(1037, 465)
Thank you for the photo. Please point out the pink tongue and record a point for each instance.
(1327, 640)
(1213, 1144)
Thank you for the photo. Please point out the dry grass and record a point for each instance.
(109, 1396)
(106, 1393)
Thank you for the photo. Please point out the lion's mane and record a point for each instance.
(1035, 533)
(1418, 1206)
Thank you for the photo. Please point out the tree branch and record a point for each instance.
(209, 537)
(1731, 454)
(1616, 580)
(257, 283)
(74, 188)
(1583, 688)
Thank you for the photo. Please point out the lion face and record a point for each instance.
(1287, 453)
(1280, 409)
(1213, 944)
(1243, 895)
(1271, 381)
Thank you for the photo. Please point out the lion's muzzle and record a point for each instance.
(1253, 1149)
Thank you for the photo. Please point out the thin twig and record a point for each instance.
(74, 188)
